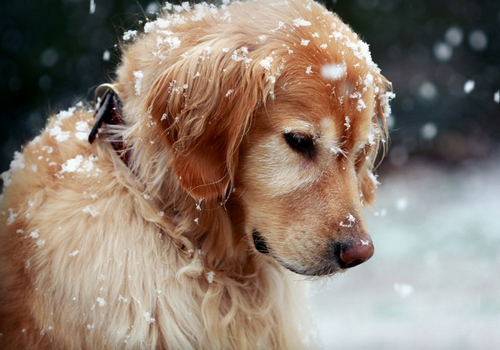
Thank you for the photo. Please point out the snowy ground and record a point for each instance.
(434, 282)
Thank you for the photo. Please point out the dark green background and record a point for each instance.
(51, 56)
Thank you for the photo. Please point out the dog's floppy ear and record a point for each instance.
(204, 104)
(379, 138)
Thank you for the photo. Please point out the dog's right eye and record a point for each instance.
(301, 144)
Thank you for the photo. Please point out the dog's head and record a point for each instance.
(284, 113)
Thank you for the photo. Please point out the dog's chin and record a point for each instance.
(328, 268)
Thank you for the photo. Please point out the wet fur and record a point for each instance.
(160, 254)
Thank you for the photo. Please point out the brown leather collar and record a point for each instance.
(108, 109)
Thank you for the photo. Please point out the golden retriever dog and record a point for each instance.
(236, 143)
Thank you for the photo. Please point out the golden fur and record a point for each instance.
(159, 255)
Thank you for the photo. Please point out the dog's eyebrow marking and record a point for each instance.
(330, 136)
(298, 126)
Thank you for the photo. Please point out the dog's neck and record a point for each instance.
(207, 226)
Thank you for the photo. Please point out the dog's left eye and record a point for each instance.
(301, 143)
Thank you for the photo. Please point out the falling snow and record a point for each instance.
(469, 86)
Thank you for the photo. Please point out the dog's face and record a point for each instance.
(305, 173)
(286, 120)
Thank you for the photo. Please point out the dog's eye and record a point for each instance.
(301, 143)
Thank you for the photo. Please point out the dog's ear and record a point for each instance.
(204, 104)
(368, 187)
(380, 138)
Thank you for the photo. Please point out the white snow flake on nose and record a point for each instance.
(351, 219)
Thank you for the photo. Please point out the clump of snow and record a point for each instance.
(12, 217)
(138, 75)
(40, 243)
(229, 92)
(266, 63)
(210, 276)
(59, 134)
(72, 165)
(66, 114)
(35, 234)
(350, 221)
(374, 178)
(101, 302)
(333, 71)
(300, 22)
(82, 130)
(236, 56)
(309, 70)
(304, 42)
(90, 209)
(57, 131)
(347, 123)
(129, 34)
(149, 319)
(496, 97)
(361, 105)
(469, 86)
(16, 163)
(280, 25)
(81, 165)
(74, 253)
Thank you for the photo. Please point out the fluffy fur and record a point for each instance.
(160, 254)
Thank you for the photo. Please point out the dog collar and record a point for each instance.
(108, 109)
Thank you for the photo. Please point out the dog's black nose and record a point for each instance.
(353, 253)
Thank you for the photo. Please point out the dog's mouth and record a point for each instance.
(259, 242)
(261, 246)
(339, 257)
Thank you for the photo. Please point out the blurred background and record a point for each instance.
(434, 282)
